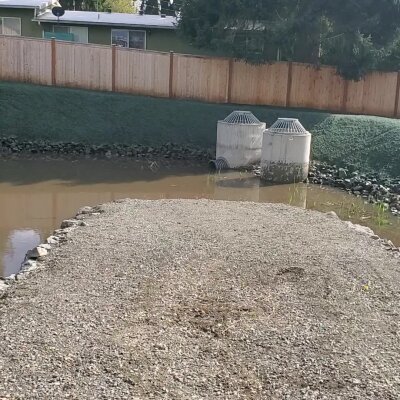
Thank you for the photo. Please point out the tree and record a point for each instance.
(123, 6)
(360, 35)
(353, 35)
(252, 29)
(151, 7)
(120, 6)
(167, 8)
(72, 4)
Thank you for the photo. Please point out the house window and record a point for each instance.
(10, 26)
(131, 39)
(61, 29)
(77, 34)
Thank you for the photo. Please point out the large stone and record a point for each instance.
(29, 265)
(342, 173)
(332, 214)
(54, 240)
(37, 252)
(69, 223)
(85, 210)
(3, 286)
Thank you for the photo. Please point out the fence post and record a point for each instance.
(345, 95)
(171, 74)
(53, 61)
(113, 66)
(396, 102)
(230, 80)
(289, 84)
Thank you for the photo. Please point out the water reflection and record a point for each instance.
(19, 242)
(241, 188)
(250, 188)
(32, 207)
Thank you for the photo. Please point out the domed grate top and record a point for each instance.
(287, 125)
(242, 117)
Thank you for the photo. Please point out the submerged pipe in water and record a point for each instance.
(218, 165)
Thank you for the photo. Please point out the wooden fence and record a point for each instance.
(218, 80)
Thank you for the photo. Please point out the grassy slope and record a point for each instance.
(66, 114)
(57, 114)
(372, 142)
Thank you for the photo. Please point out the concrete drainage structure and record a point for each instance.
(239, 141)
(285, 152)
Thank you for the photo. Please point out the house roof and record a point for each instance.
(110, 19)
(25, 3)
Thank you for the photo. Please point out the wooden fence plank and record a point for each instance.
(379, 93)
(171, 75)
(396, 102)
(25, 60)
(259, 84)
(319, 88)
(208, 79)
(345, 96)
(142, 72)
(230, 82)
(53, 62)
(113, 66)
(200, 78)
(88, 67)
(289, 84)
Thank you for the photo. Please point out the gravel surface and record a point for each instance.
(199, 299)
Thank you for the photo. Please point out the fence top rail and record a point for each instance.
(23, 38)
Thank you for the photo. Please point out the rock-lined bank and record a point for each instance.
(152, 299)
(374, 188)
(13, 145)
(37, 255)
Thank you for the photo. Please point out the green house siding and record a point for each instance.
(100, 35)
(28, 27)
(156, 39)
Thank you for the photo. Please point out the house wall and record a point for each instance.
(28, 27)
(156, 39)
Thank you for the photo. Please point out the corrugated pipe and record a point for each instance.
(218, 164)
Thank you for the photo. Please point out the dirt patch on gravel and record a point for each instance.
(205, 300)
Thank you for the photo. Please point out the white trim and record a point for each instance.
(131, 30)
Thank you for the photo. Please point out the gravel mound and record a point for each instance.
(177, 299)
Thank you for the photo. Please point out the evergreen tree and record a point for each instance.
(123, 6)
(152, 7)
(120, 6)
(352, 35)
(167, 8)
(71, 4)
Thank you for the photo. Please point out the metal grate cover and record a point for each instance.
(242, 117)
(287, 125)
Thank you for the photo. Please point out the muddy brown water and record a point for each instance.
(37, 194)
